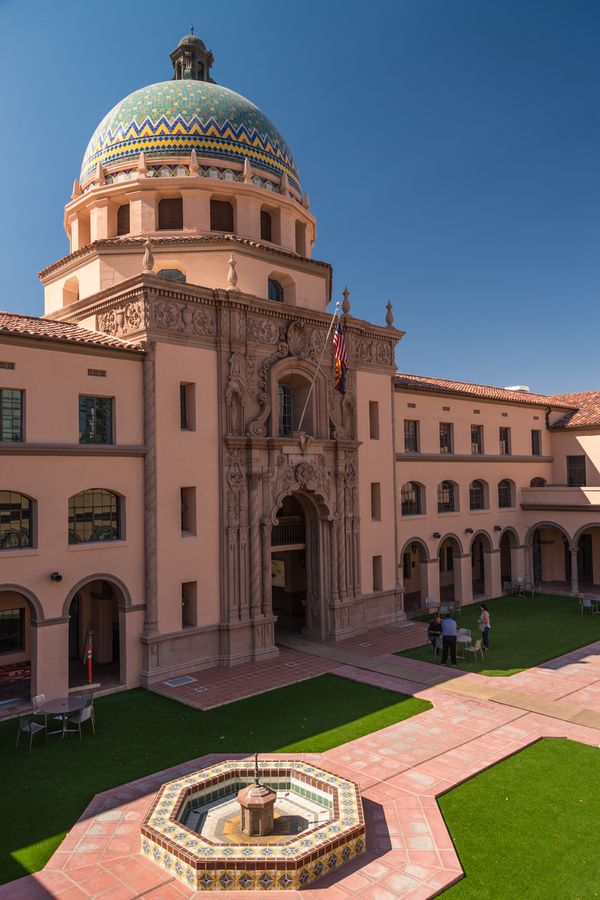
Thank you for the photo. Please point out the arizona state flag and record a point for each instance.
(340, 358)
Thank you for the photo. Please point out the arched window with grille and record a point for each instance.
(275, 290)
(94, 515)
(537, 482)
(505, 494)
(446, 497)
(411, 497)
(477, 495)
(16, 520)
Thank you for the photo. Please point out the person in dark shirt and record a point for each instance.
(434, 631)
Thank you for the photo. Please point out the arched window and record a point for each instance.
(94, 515)
(446, 497)
(123, 219)
(537, 482)
(172, 275)
(275, 290)
(170, 214)
(505, 494)
(296, 404)
(266, 226)
(286, 409)
(221, 215)
(411, 499)
(70, 291)
(16, 521)
(477, 495)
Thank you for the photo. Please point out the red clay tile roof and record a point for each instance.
(587, 412)
(64, 332)
(482, 391)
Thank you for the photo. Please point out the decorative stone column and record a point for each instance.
(267, 591)
(151, 600)
(432, 568)
(574, 571)
(493, 577)
(463, 578)
(255, 554)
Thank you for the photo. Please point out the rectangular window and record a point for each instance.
(95, 420)
(12, 630)
(576, 471)
(11, 414)
(170, 214)
(477, 440)
(374, 420)
(188, 510)
(221, 216)
(536, 442)
(187, 407)
(189, 604)
(266, 226)
(446, 444)
(377, 573)
(376, 501)
(411, 436)
(504, 434)
(123, 219)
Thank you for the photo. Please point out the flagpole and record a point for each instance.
(336, 313)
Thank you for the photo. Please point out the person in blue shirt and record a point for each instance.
(449, 639)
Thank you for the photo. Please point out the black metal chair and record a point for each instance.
(28, 726)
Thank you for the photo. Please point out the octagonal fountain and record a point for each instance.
(232, 827)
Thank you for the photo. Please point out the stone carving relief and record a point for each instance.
(371, 352)
(284, 477)
(124, 319)
(239, 384)
(258, 427)
(264, 331)
(313, 475)
(235, 478)
(183, 317)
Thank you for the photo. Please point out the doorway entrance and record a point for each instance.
(288, 566)
(94, 617)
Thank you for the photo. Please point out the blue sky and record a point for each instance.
(450, 149)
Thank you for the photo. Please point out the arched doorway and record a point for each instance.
(508, 542)
(95, 608)
(414, 576)
(480, 576)
(551, 556)
(17, 649)
(449, 564)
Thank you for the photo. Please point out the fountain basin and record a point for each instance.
(193, 828)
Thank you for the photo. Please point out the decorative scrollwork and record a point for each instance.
(258, 427)
(264, 331)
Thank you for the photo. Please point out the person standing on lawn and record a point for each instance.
(449, 639)
(434, 631)
(484, 625)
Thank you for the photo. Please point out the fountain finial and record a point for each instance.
(256, 776)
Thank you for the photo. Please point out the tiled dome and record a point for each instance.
(172, 118)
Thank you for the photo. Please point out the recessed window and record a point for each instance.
(300, 238)
(12, 630)
(172, 275)
(411, 436)
(266, 226)
(576, 471)
(410, 496)
(536, 442)
(11, 414)
(446, 497)
(377, 573)
(446, 442)
(187, 406)
(123, 225)
(170, 214)
(505, 494)
(374, 420)
(189, 604)
(95, 420)
(188, 510)
(504, 435)
(285, 397)
(16, 521)
(537, 482)
(376, 501)
(477, 495)
(94, 515)
(476, 440)
(275, 290)
(221, 215)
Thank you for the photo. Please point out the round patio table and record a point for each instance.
(61, 708)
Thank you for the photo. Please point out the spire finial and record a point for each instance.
(256, 775)
(389, 316)
(191, 29)
(346, 303)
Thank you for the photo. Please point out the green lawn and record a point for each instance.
(526, 631)
(138, 733)
(527, 828)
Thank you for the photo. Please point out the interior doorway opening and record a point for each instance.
(289, 566)
(94, 618)
(16, 649)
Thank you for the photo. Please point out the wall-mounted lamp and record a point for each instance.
(413, 549)
(436, 534)
(497, 527)
(55, 576)
(468, 531)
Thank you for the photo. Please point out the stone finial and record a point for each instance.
(148, 263)
(346, 302)
(141, 164)
(194, 167)
(305, 201)
(76, 189)
(389, 316)
(232, 275)
(284, 185)
(99, 174)
(247, 171)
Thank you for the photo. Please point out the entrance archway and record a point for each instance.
(17, 648)
(480, 574)
(508, 542)
(551, 556)
(414, 576)
(96, 606)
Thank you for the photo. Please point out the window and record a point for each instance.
(94, 515)
(11, 414)
(16, 521)
(95, 420)
(172, 275)
(446, 497)
(477, 495)
(377, 573)
(188, 510)
(537, 482)
(189, 604)
(376, 501)
(536, 442)
(170, 214)
(221, 215)
(449, 558)
(286, 409)
(275, 290)
(476, 440)
(410, 496)
(505, 494)
(266, 226)
(12, 630)
(374, 420)
(411, 436)
(187, 407)
(576, 470)
(504, 441)
(446, 437)
(300, 238)
(123, 226)
(406, 566)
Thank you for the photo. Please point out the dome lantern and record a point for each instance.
(191, 59)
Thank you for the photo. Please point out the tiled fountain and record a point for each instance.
(284, 830)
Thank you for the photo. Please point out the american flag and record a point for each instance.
(340, 358)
